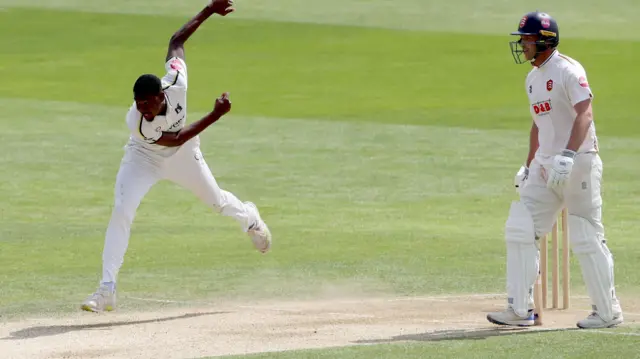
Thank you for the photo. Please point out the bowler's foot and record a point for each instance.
(258, 231)
(104, 299)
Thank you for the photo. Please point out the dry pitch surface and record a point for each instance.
(216, 329)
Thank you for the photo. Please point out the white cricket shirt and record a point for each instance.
(554, 88)
(145, 133)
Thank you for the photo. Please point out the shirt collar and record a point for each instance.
(553, 55)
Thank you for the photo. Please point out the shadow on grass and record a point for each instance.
(462, 334)
(43, 331)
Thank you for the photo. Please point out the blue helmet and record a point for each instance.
(540, 24)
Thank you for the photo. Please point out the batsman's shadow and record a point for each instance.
(461, 334)
(44, 331)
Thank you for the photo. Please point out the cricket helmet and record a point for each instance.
(540, 24)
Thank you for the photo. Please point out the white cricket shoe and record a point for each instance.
(258, 231)
(104, 299)
(594, 321)
(509, 317)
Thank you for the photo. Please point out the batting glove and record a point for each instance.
(561, 169)
(520, 178)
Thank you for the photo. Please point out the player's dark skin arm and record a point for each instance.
(176, 49)
(174, 139)
(176, 44)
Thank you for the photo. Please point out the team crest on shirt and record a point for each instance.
(549, 85)
(176, 65)
(542, 108)
(583, 82)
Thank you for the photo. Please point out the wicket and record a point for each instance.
(541, 285)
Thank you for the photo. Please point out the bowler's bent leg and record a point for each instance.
(190, 170)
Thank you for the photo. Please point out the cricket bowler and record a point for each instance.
(162, 147)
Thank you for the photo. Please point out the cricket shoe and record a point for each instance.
(258, 231)
(594, 321)
(509, 317)
(104, 299)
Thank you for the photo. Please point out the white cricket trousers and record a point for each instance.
(137, 174)
(581, 196)
(583, 200)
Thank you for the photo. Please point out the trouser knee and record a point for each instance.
(519, 227)
(584, 235)
(123, 213)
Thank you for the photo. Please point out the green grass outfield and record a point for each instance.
(572, 344)
(379, 141)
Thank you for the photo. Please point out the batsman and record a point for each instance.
(563, 169)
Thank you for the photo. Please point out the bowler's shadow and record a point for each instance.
(43, 331)
(461, 334)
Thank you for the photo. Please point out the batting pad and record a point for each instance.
(596, 263)
(522, 258)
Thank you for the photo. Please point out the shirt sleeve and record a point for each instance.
(176, 74)
(577, 86)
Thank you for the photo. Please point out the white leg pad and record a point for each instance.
(597, 265)
(522, 258)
